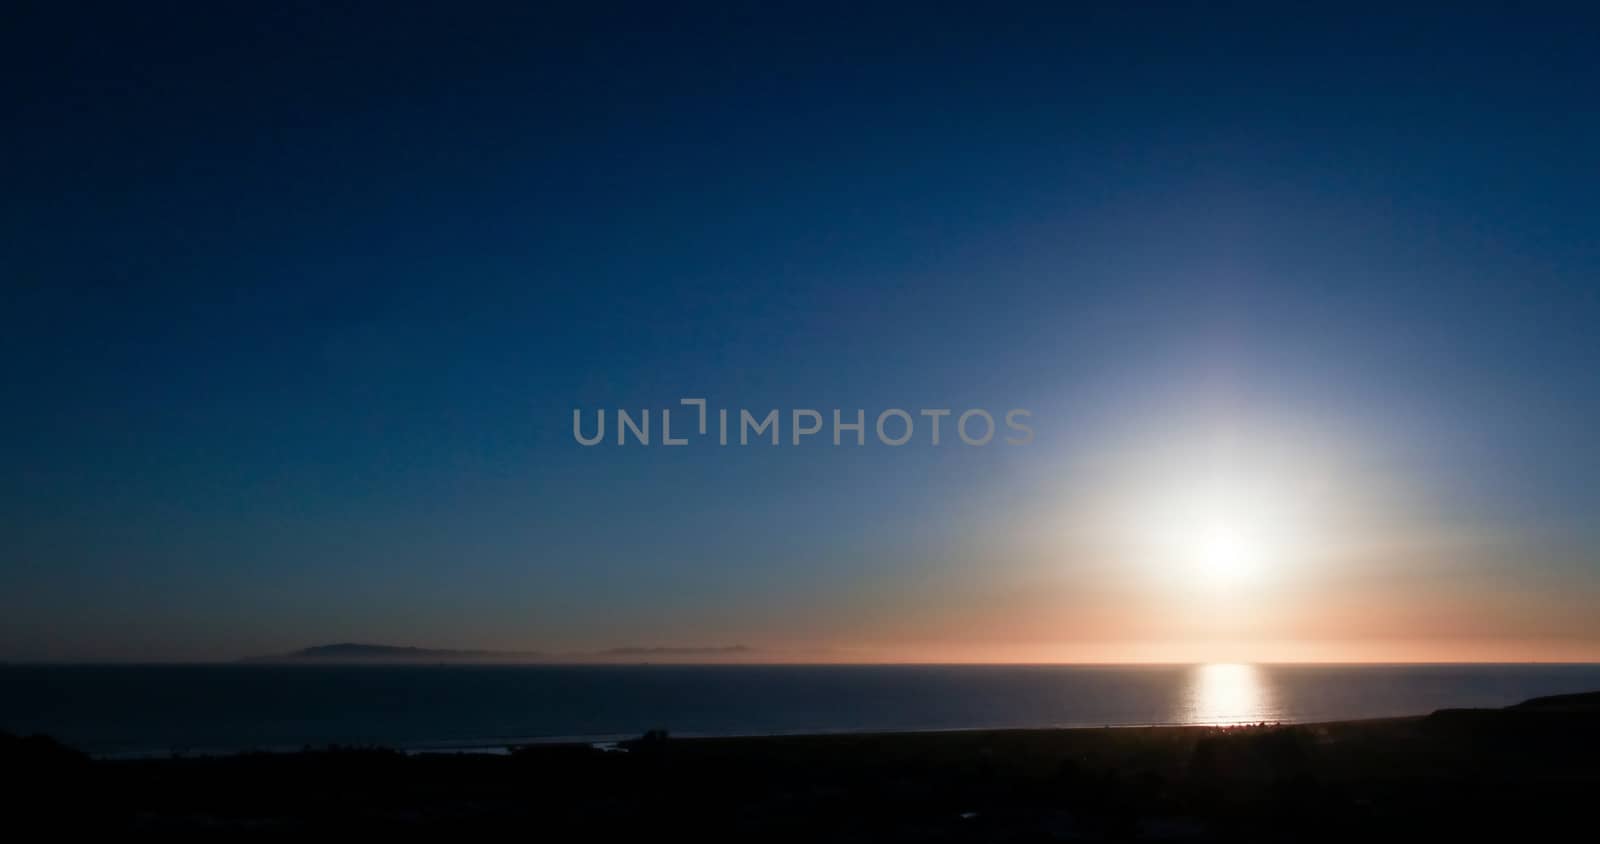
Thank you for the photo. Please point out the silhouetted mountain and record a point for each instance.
(1581, 702)
(351, 652)
(725, 650)
(354, 652)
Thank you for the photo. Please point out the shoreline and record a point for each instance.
(502, 747)
(1509, 770)
(133, 713)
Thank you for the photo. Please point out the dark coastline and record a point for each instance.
(1466, 773)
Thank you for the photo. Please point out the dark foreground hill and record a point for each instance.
(1520, 773)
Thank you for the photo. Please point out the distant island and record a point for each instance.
(354, 652)
(725, 650)
(357, 652)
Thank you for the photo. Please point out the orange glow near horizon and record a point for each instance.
(1268, 543)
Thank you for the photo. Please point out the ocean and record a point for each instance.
(131, 710)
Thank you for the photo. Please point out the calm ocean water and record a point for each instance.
(117, 710)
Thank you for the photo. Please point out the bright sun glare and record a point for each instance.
(1233, 518)
(1224, 538)
(1222, 530)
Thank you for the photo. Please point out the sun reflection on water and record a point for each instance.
(1229, 693)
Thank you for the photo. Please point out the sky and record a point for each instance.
(296, 306)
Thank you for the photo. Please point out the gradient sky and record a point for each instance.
(296, 307)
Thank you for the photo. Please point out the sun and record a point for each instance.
(1225, 541)
(1238, 518)
(1222, 530)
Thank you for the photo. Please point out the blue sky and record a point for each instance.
(297, 306)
